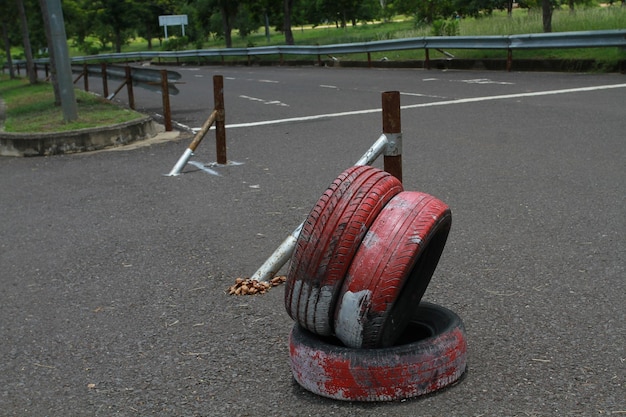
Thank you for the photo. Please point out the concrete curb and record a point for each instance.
(82, 140)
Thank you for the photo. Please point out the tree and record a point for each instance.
(30, 64)
(115, 20)
(7, 48)
(149, 23)
(288, 9)
(425, 10)
(227, 10)
(546, 6)
(266, 11)
(6, 21)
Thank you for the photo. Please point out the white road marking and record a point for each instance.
(432, 104)
(482, 81)
(201, 166)
(419, 95)
(268, 81)
(328, 86)
(274, 102)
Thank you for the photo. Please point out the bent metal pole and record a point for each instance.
(282, 254)
(182, 161)
(388, 144)
(217, 117)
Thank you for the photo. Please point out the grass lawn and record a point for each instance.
(30, 108)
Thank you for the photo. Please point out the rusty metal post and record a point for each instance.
(392, 128)
(220, 128)
(427, 59)
(129, 87)
(369, 60)
(105, 82)
(509, 60)
(165, 92)
(86, 77)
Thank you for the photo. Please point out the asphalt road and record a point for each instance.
(113, 276)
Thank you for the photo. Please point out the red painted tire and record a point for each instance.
(430, 355)
(391, 270)
(330, 237)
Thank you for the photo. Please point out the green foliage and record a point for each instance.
(449, 27)
(30, 108)
(246, 22)
(176, 44)
(87, 46)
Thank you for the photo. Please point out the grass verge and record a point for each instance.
(30, 109)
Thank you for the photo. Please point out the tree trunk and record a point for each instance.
(118, 40)
(53, 70)
(227, 27)
(509, 8)
(287, 23)
(267, 26)
(7, 49)
(30, 64)
(547, 16)
(571, 6)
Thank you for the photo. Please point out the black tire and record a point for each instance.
(430, 355)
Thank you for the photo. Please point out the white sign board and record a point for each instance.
(173, 20)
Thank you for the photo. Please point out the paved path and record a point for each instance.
(112, 276)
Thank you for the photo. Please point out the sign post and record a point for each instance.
(173, 20)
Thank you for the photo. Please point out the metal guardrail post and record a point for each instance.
(426, 59)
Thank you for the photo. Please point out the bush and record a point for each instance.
(443, 27)
(175, 44)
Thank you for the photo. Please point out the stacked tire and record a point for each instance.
(362, 262)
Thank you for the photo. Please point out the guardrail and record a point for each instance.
(510, 43)
(162, 81)
(585, 39)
